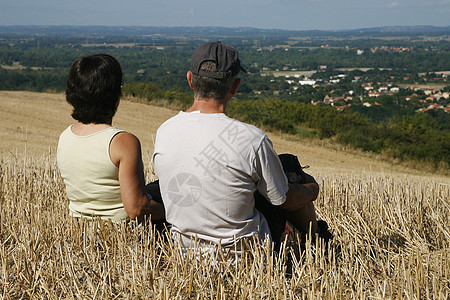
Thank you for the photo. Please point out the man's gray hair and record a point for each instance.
(205, 87)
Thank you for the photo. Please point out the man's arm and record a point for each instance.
(299, 208)
(301, 194)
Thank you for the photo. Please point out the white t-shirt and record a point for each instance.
(209, 166)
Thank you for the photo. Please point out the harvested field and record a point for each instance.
(391, 226)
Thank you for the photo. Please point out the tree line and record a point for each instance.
(166, 65)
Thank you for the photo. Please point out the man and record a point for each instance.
(210, 166)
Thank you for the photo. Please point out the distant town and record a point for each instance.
(427, 97)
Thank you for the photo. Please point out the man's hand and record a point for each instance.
(300, 194)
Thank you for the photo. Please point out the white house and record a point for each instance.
(307, 82)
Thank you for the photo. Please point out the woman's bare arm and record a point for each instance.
(125, 153)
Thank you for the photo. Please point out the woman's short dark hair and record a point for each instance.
(94, 88)
(205, 87)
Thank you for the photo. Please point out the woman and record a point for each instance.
(101, 165)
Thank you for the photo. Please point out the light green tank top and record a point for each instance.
(91, 178)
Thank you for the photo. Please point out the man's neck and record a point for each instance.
(207, 106)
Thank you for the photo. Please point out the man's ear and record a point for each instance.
(189, 79)
(235, 86)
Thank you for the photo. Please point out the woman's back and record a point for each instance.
(91, 178)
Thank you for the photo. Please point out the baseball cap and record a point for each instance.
(225, 57)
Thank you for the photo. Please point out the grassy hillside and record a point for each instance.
(31, 123)
(392, 226)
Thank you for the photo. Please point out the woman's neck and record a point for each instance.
(86, 129)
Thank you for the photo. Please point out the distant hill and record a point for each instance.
(216, 32)
(406, 29)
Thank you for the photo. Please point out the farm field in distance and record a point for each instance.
(391, 225)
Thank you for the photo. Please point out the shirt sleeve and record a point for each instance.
(272, 183)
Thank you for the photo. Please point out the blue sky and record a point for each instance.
(267, 14)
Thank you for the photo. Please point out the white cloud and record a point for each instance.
(393, 4)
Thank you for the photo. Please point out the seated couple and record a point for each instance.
(220, 179)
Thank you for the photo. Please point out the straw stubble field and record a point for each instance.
(391, 226)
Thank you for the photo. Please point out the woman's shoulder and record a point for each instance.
(124, 145)
(125, 141)
(125, 137)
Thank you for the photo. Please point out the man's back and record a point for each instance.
(209, 166)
